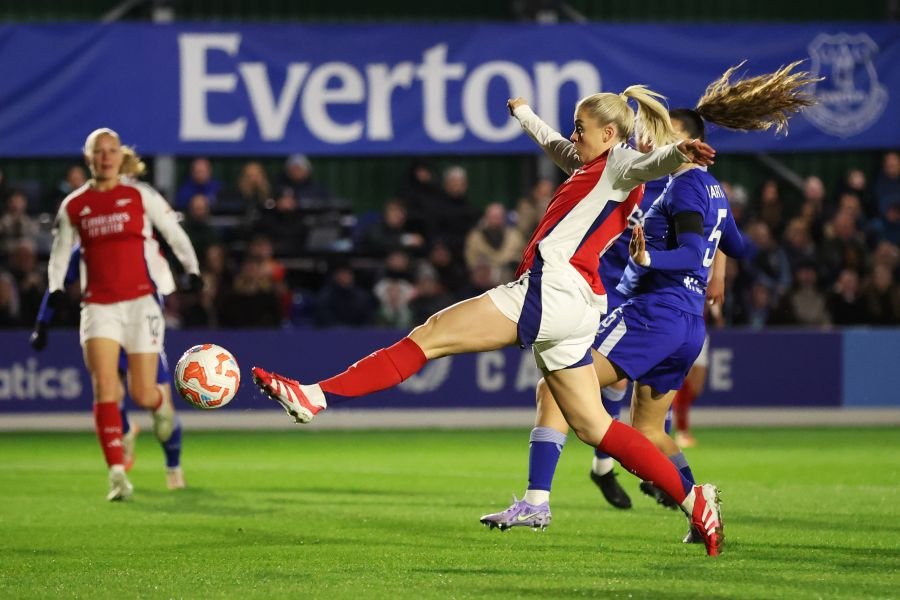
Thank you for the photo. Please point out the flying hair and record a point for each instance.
(757, 103)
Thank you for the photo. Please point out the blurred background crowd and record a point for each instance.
(278, 248)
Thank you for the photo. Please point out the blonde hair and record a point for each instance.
(656, 128)
(756, 103)
(132, 165)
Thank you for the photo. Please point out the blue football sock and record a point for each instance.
(543, 455)
(126, 424)
(681, 463)
(172, 447)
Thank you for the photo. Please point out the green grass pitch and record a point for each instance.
(808, 514)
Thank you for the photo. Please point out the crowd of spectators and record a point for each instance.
(830, 259)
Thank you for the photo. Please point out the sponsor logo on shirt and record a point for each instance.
(103, 225)
(692, 284)
(85, 211)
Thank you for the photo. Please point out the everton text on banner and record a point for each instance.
(222, 89)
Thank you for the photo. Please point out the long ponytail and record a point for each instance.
(756, 103)
(656, 127)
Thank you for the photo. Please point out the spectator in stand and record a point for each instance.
(856, 183)
(843, 247)
(394, 292)
(261, 249)
(850, 202)
(813, 207)
(805, 304)
(430, 296)
(887, 184)
(845, 302)
(453, 216)
(196, 224)
(768, 263)
(495, 242)
(771, 208)
(252, 300)
(882, 297)
(482, 277)
(342, 302)
(887, 255)
(452, 275)
(393, 304)
(284, 225)
(798, 244)
(254, 191)
(23, 266)
(737, 199)
(420, 193)
(218, 280)
(200, 181)
(15, 224)
(298, 175)
(532, 206)
(756, 309)
(9, 303)
(75, 177)
(392, 232)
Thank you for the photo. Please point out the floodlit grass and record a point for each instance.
(808, 513)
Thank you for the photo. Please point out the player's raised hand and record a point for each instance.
(699, 152)
(638, 247)
(513, 103)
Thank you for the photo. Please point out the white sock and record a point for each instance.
(536, 497)
(117, 469)
(314, 394)
(602, 466)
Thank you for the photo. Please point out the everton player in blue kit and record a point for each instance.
(613, 267)
(656, 335)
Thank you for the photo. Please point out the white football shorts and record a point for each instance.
(555, 317)
(137, 325)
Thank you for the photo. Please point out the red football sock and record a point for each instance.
(108, 421)
(638, 454)
(681, 406)
(380, 370)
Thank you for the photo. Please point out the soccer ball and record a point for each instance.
(207, 376)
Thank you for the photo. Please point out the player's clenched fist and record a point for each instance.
(513, 103)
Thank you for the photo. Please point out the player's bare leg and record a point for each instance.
(692, 388)
(156, 398)
(101, 356)
(473, 325)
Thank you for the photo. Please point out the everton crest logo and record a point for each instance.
(850, 99)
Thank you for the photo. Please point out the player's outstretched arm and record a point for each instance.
(560, 150)
(634, 168)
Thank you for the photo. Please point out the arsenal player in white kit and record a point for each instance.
(113, 216)
(555, 305)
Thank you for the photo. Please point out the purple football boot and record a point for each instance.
(520, 514)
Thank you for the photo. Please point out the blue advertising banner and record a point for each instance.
(747, 369)
(225, 89)
(774, 368)
(870, 366)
